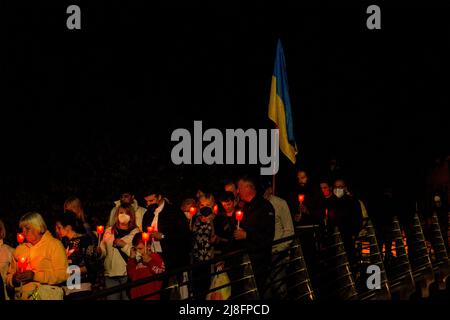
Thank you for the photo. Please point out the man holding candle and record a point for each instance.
(225, 224)
(171, 233)
(171, 236)
(302, 200)
(257, 229)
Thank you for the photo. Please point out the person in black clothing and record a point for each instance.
(225, 224)
(303, 212)
(257, 230)
(171, 230)
(325, 203)
(171, 235)
(338, 209)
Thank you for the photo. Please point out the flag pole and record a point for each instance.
(276, 145)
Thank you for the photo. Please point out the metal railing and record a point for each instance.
(313, 265)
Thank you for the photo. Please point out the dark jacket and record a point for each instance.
(176, 245)
(310, 203)
(259, 223)
(224, 228)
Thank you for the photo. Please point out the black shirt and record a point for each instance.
(259, 224)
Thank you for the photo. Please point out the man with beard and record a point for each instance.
(303, 212)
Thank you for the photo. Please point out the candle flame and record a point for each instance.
(100, 229)
(239, 215)
(192, 211)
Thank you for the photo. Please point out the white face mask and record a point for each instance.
(339, 192)
(124, 218)
(138, 256)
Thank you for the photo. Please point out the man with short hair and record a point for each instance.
(257, 229)
(231, 187)
(171, 229)
(127, 197)
(171, 237)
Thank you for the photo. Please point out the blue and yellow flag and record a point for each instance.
(280, 106)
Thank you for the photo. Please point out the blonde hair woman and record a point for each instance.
(41, 260)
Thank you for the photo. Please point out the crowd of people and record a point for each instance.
(195, 229)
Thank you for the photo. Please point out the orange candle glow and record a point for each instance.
(301, 198)
(239, 216)
(145, 237)
(216, 209)
(22, 263)
(192, 211)
(100, 230)
(20, 238)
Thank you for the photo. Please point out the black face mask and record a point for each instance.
(205, 211)
(152, 207)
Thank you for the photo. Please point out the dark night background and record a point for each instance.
(90, 111)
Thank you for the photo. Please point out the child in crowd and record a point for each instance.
(143, 264)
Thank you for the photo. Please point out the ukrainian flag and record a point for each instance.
(280, 106)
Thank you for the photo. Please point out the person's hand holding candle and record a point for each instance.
(240, 234)
(25, 276)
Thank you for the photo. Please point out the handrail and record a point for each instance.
(167, 274)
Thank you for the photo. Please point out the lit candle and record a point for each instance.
(23, 263)
(145, 237)
(239, 216)
(301, 198)
(216, 209)
(192, 211)
(100, 230)
(20, 238)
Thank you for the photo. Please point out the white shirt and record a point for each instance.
(156, 245)
(283, 222)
